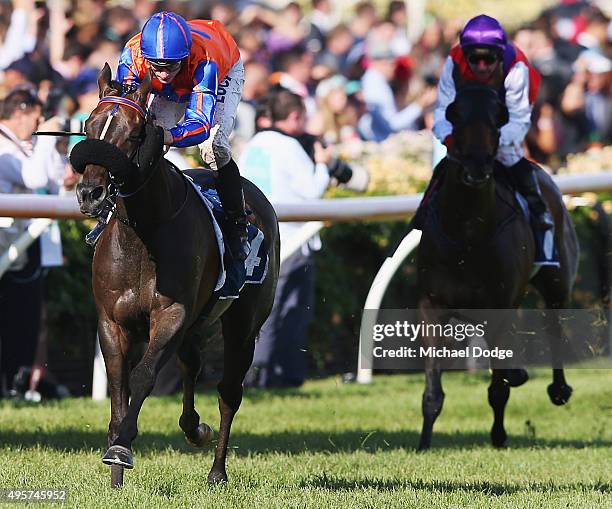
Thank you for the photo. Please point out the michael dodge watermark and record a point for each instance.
(485, 338)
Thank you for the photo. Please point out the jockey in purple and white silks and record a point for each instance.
(484, 55)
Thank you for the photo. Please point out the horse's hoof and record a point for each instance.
(118, 455)
(216, 477)
(498, 437)
(559, 394)
(203, 435)
(516, 377)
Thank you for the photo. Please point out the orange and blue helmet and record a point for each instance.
(166, 37)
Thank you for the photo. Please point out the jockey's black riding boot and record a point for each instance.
(527, 182)
(229, 188)
(103, 218)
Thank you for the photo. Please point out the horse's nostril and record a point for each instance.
(97, 193)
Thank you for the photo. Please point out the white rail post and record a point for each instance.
(375, 297)
(34, 230)
(297, 241)
(99, 381)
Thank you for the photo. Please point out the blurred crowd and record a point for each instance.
(361, 76)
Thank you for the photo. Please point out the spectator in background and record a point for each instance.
(120, 24)
(294, 73)
(322, 20)
(104, 51)
(276, 161)
(334, 57)
(577, 129)
(286, 28)
(20, 37)
(397, 16)
(336, 118)
(544, 139)
(595, 35)
(589, 97)
(430, 51)
(73, 65)
(384, 118)
(26, 165)
(363, 21)
(598, 98)
(143, 10)
(255, 88)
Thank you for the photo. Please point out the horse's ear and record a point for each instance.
(452, 113)
(503, 116)
(104, 79)
(141, 95)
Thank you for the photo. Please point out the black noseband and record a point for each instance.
(101, 153)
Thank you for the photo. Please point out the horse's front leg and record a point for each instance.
(433, 399)
(499, 393)
(166, 331)
(115, 350)
(433, 396)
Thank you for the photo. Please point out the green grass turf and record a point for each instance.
(332, 445)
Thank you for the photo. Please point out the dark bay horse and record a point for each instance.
(472, 257)
(154, 270)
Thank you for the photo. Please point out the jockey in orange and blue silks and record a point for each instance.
(206, 51)
(484, 55)
(197, 81)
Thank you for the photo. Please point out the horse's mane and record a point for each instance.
(477, 101)
(478, 89)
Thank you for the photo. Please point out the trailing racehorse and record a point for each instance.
(477, 250)
(155, 269)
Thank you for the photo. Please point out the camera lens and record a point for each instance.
(341, 171)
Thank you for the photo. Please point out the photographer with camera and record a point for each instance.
(26, 166)
(288, 166)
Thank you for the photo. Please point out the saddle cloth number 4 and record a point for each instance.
(253, 260)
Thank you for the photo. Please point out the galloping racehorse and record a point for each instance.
(477, 250)
(154, 271)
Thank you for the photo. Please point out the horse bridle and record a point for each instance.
(113, 190)
(119, 101)
(129, 103)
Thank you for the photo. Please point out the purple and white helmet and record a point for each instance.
(483, 30)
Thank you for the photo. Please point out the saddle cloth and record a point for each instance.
(233, 274)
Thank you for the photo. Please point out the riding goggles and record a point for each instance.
(487, 58)
(165, 65)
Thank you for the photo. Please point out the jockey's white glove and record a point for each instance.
(206, 149)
